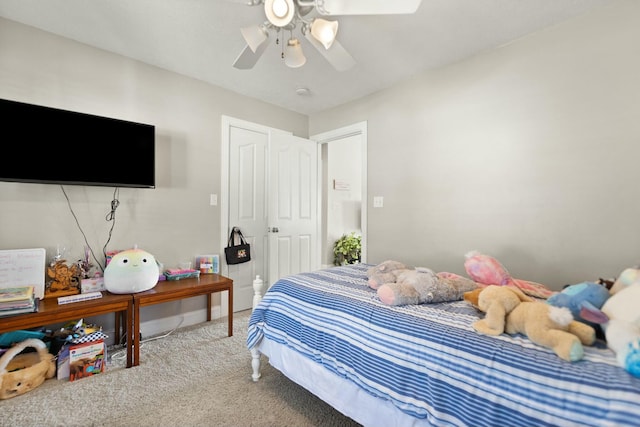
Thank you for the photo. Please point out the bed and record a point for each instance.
(424, 365)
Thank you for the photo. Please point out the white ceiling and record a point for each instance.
(201, 39)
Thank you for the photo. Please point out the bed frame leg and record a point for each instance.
(255, 364)
(255, 354)
(257, 291)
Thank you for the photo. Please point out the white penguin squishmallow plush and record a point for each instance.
(131, 271)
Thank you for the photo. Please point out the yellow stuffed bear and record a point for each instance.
(509, 310)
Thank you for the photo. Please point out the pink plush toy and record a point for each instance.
(486, 270)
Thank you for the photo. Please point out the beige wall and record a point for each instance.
(173, 221)
(528, 152)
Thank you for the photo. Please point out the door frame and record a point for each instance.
(355, 129)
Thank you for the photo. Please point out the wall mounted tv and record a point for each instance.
(54, 146)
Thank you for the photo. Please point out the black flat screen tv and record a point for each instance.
(55, 146)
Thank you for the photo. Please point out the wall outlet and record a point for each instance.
(378, 201)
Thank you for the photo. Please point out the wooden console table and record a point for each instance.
(50, 312)
(173, 290)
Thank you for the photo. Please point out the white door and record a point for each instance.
(248, 208)
(293, 206)
(268, 172)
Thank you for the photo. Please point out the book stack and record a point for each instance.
(17, 300)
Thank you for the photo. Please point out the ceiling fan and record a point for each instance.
(287, 15)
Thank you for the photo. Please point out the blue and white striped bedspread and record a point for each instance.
(431, 364)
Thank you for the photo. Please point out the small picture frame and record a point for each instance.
(208, 264)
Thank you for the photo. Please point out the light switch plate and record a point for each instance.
(378, 201)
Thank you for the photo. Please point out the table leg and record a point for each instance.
(129, 332)
(208, 307)
(118, 326)
(230, 302)
(136, 334)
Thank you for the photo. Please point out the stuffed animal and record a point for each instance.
(385, 272)
(422, 285)
(580, 297)
(131, 271)
(495, 305)
(509, 310)
(486, 270)
(622, 330)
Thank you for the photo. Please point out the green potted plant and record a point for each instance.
(347, 249)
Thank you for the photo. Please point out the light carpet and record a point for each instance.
(195, 376)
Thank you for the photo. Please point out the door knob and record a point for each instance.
(273, 229)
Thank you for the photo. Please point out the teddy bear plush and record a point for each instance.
(509, 310)
(385, 272)
(422, 285)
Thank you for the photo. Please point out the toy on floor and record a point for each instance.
(131, 271)
(486, 270)
(509, 310)
(422, 285)
(22, 372)
(622, 330)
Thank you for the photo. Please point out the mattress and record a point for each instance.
(427, 363)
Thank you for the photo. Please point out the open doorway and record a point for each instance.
(343, 180)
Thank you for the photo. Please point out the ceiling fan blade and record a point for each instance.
(336, 55)
(248, 58)
(254, 36)
(367, 7)
(247, 2)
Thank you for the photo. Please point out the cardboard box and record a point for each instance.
(76, 361)
(95, 284)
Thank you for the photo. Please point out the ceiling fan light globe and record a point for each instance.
(280, 8)
(279, 12)
(293, 55)
(324, 31)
